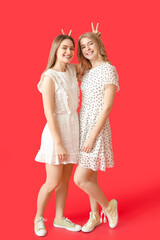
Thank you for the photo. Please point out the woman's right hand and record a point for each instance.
(61, 152)
(95, 30)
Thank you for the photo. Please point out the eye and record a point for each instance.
(82, 47)
(91, 43)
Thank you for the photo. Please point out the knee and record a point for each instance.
(52, 186)
(79, 181)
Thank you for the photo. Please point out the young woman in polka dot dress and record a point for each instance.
(99, 85)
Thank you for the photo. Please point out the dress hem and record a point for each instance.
(52, 159)
(64, 163)
(95, 170)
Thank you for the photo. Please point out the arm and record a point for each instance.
(48, 91)
(76, 67)
(94, 30)
(109, 95)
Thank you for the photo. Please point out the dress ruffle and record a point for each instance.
(52, 159)
(64, 97)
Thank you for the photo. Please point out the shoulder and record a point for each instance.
(110, 71)
(110, 75)
(46, 80)
(48, 73)
(109, 68)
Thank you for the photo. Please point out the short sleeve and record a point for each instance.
(111, 76)
(50, 74)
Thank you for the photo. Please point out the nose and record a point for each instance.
(68, 51)
(88, 48)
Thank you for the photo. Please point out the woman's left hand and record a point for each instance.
(88, 145)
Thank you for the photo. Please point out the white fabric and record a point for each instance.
(66, 103)
(92, 88)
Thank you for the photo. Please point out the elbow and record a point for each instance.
(107, 110)
(48, 115)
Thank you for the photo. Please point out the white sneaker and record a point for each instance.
(39, 227)
(67, 224)
(112, 213)
(94, 221)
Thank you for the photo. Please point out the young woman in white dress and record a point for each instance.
(60, 138)
(99, 85)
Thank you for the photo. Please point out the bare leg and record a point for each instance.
(93, 202)
(82, 179)
(54, 174)
(62, 190)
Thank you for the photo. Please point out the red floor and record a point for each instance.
(138, 218)
(138, 204)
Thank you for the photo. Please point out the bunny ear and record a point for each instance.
(69, 34)
(63, 32)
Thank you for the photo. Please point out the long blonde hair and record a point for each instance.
(84, 63)
(53, 52)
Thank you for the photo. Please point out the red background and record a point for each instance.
(130, 32)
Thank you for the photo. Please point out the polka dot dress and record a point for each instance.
(92, 88)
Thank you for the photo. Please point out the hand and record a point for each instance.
(61, 152)
(69, 34)
(88, 145)
(95, 30)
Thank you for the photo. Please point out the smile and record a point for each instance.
(89, 53)
(67, 57)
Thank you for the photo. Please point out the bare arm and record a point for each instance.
(76, 66)
(109, 95)
(94, 30)
(48, 91)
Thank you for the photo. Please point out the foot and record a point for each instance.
(67, 224)
(39, 227)
(94, 221)
(112, 213)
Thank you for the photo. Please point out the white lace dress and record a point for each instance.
(66, 103)
(92, 88)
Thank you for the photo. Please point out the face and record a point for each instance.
(65, 51)
(89, 49)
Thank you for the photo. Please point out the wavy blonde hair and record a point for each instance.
(84, 63)
(53, 52)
